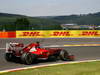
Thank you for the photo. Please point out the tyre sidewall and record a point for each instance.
(64, 55)
(28, 58)
(9, 56)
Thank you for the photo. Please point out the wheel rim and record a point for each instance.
(64, 55)
(28, 59)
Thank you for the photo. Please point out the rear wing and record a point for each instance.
(12, 46)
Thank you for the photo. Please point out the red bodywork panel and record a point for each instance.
(41, 52)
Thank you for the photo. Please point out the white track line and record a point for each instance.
(68, 45)
(2, 48)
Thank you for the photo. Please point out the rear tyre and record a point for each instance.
(28, 58)
(64, 55)
(9, 57)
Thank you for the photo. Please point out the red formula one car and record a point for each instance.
(32, 53)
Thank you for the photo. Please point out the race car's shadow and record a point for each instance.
(18, 61)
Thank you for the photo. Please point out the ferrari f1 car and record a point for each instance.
(32, 53)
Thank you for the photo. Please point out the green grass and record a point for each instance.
(89, 68)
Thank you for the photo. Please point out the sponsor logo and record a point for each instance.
(61, 34)
(90, 33)
(30, 34)
(58, 33)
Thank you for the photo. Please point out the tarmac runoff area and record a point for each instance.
(83, 49)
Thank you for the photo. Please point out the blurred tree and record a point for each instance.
(22, 24)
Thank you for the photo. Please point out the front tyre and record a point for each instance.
(64, 55)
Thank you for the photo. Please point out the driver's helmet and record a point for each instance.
(37, 44)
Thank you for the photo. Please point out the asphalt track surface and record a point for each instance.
(81, 53)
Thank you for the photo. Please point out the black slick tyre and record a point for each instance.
(28, 58)
(9, 56)
(64, 55)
